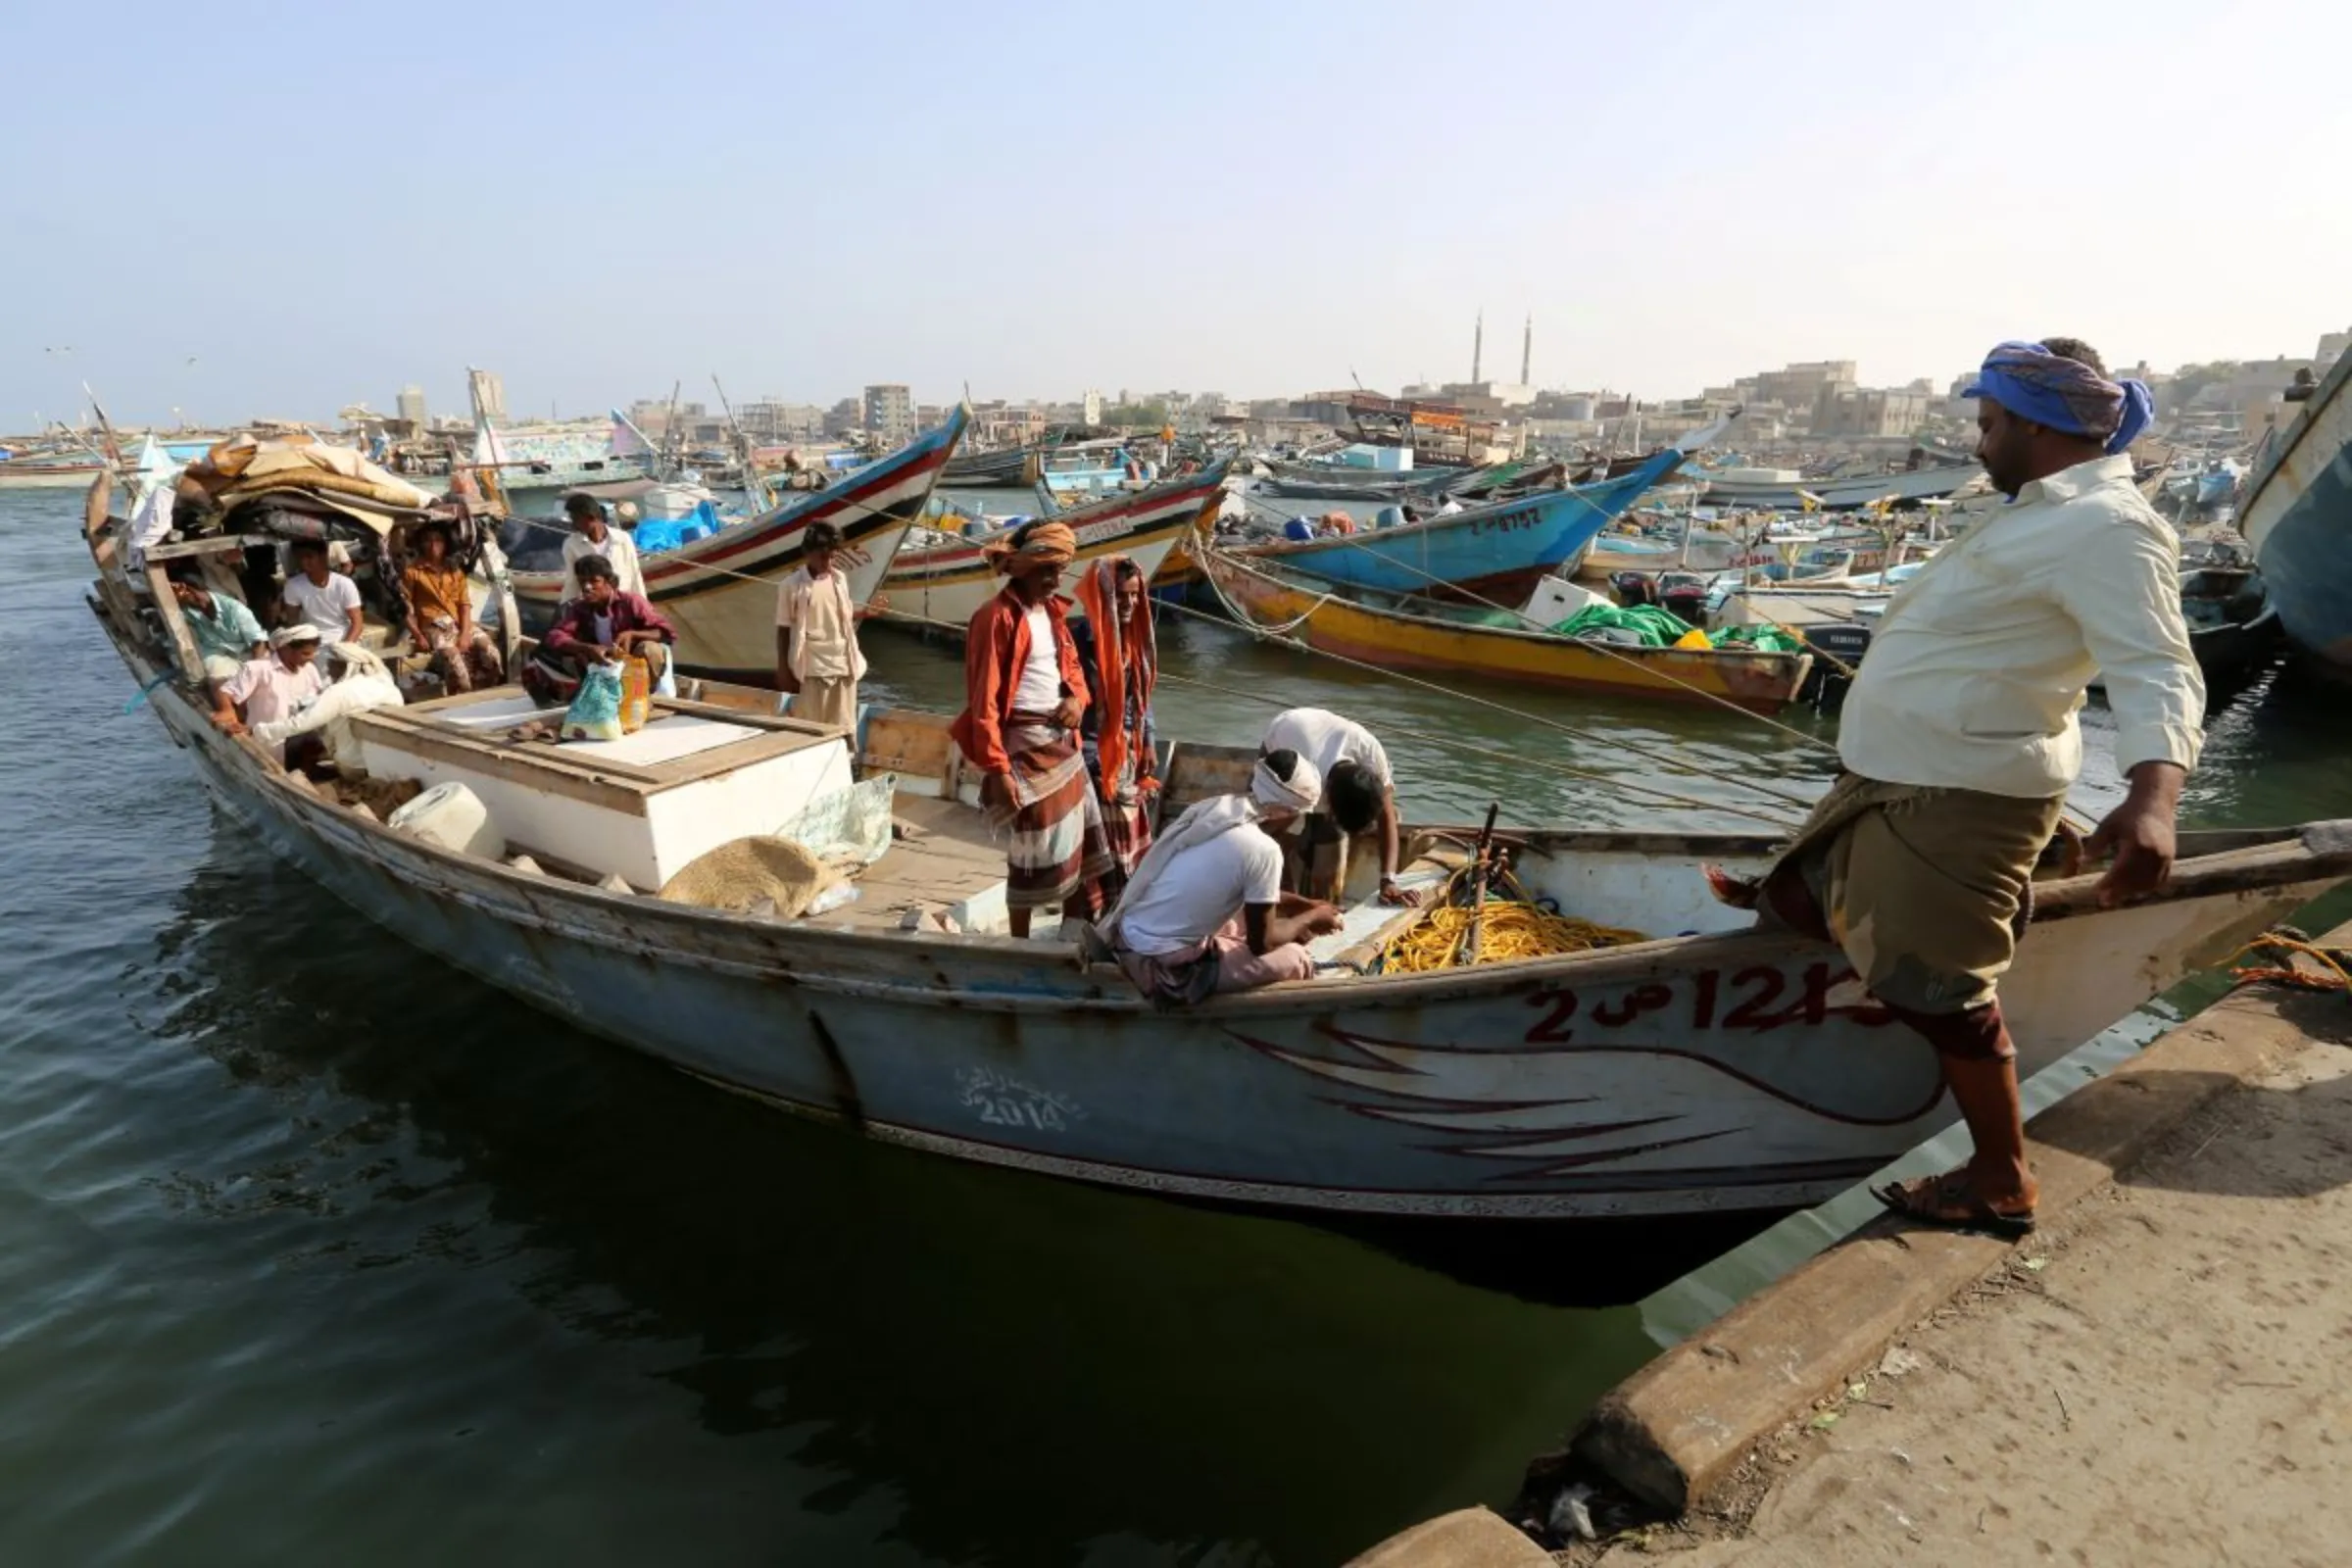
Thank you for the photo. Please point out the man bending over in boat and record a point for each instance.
(1120, 657)
(1205, 913)
(1023, 696)
(1959, 740)
(606, 622)
(1358, 795)
(229, 635)
(267, 690)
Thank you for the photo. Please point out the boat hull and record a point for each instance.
(942, 587)
(1762, 683)
(720, 590)
(2298, 518)
(1496, 553)
(1715, 1075)
(49, 476)
(1837, 495)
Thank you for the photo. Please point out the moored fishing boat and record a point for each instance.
(941, 584)
(49, 470)
(1367, 489)
(1700, 551)
(1426, 636)
(1497, 552)
(2232, 625)
(1721, 1068)
(720, 590)
(2297, 516)
(1907, 484)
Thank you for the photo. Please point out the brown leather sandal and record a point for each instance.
(1949, 1203)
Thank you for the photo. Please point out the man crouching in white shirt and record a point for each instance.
(1204, 911)
(1959, 740)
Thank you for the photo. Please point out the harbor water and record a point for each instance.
(317, 1250)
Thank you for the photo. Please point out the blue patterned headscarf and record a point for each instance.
(2032, 383)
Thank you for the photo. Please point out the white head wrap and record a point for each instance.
(1297, 793)
(299, 632)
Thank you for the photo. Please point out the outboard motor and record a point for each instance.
(1685, 597)
(1631, 588)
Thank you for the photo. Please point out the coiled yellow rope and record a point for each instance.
(1511, 925)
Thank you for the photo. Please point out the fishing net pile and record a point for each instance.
(1650, 626)
(1509, 923)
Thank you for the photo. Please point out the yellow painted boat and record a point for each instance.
(1180, 571)
(1394, 637)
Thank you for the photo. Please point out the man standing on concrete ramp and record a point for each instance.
(1959, 740)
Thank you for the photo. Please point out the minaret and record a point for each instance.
(1478, 347)
(1527, 353)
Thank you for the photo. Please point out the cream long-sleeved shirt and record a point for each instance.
(1978, 668)
(617, 547)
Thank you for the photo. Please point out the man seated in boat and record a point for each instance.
(1959, 738)
(1205, 913)
(264, 691)
(606, 622)
(818, 657)
(229, 635)
(1119, 655)
(318, 597)
(1358, 795)
(1023, 696)
(441, 616)
(592, 535)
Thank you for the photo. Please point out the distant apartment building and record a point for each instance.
(2331, 349)
(412, 407)
(887, 414)
(775, 420)
(1007, 424)
(1574, 407)
(841, 419)
(1869, 412)
(1799, 385)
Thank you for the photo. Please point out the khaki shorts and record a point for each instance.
(1925, 890)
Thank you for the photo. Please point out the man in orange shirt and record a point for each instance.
(1023, 695)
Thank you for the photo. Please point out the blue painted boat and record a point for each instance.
(1496, 553)
(2297, 514)
(1721, 1070)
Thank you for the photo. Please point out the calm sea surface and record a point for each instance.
(312, 1250)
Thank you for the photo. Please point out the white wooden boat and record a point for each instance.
(1711, 1069)
(720, 590)
(941, 584)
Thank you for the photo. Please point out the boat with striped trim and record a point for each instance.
(942, 585)
(1419, 635)
(1497, 552)
(1715, 1066)
(720, 590)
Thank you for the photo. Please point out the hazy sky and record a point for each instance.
(308, 205)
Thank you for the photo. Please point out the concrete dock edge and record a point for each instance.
(1674, 1431)
(1468, 1538)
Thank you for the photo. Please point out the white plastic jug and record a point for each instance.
(454, 817)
